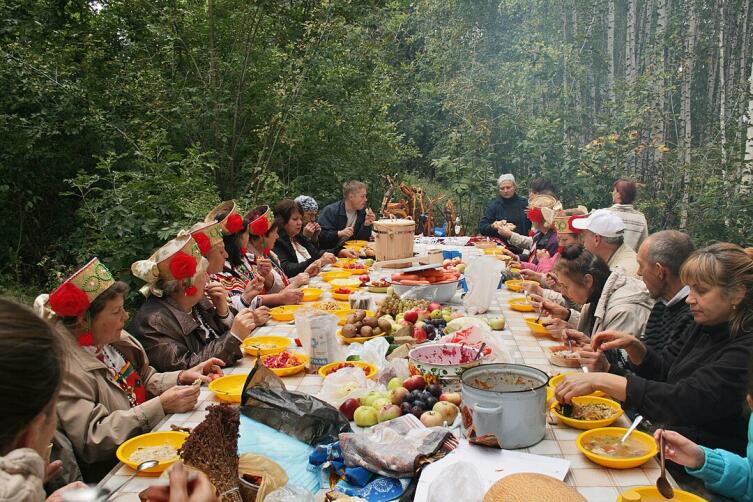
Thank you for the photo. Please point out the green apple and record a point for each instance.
(497, 323)
(436, 314)
(447, 317)
(368, 399)
(380, 403)
(461, 268)
(366, 416)
(395, 383)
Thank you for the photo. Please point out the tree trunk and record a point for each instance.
(742, 68)
(610, 51)
(722, 90)
(630, 72)
(211, 44)
(657, 129)
(685, 112)
(747, 168)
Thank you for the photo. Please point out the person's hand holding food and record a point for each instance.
(594, 361)
(206, 371)
(291, 296)
(180, 399)
(547, 307)
(347, 253)
(345, 233)
(327, 259)
(556, 327)
(182, 487)
(261, 315)
(680, 449)
(579, 338)
(551, 281)
(218, 296)
(574, 385)
(532, 275)
(313, 269)
(370, 217)
(264, 266)
(532, 288)
(503, 231)
(310, 229)
(300, 280)
(254, 288)
(610, 340)
(243, 324)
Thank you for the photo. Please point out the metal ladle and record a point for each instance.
(99, 494)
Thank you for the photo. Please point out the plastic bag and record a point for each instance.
(372, 351)
(317, 331)
(290, 494)
(297, 414)
(482, 277)
(476, 335)
(397, 368)
(345, 384)
(458, 481)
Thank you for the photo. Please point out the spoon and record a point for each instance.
(480, 350)
(147, 464)
(635, 423)
(99, 494)
(661, 482)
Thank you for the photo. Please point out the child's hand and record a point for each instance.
(680, 449)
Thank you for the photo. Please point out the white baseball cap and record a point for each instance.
(601, 222)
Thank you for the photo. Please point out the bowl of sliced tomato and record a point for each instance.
(285, 363)
(438, 284)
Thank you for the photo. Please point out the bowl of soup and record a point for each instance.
(602, 446)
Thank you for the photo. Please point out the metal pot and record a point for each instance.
(506, 400)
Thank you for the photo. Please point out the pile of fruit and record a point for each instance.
(425, 277)
(380, 283)
(340, 366)
(394, 305)
(454, 265)
(282, 360)
(411, 396)
(359, 324)
(352, 266)
(343, 291)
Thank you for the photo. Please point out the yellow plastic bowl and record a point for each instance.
(342, 306)
(344, 261)
(173, 438)
(494, 251)
(327, 369)
(516, 285)
(355, 339)
(284, 313)
(229, 387)
(651, 493)
(343, 296)
(342, 314)
(589, 424)
(311, 294)
(618, 463)
(485, 244)
(334, 274)
(556, 379)
(264, 345)
(293, 369)
(536, 327)
(345, 283)
(355, 244)
(520, 304)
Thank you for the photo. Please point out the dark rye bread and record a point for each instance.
(526, 486)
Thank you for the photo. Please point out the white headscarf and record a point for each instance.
(505, 177)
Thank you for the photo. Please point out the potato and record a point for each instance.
(366, 331)
(349, 331)
(371, 321)
(360, 315)
(385, 325)
(351, 319)
(377, 331)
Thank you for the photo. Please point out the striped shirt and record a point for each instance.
(636, 227)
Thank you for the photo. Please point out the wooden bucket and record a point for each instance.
(394, 239)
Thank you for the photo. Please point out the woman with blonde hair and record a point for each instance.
(698, 392)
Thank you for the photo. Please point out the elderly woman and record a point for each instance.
(109, 392)
(508, 208)
(310, 211)
(178, 325)
(636, 228)
(610, 299)
(247, 277)
(28, 347)
(296, 253)
(543, 245)
(699, 391)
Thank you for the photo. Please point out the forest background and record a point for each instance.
(123, 121)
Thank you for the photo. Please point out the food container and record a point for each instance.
(576, 423)
(441, 293)
(649, 493)
(507, 401)
(327, 370)
(618, 463)
(517, 285)
(229, 388)
(393, 239)
(264, 345)
(311, 294)
(520, 304)
(557, 360)
(442, 360)
(173, 438)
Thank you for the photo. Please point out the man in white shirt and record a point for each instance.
(603, 235)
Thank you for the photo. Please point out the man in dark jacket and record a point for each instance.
(509, 206)
(347, 219)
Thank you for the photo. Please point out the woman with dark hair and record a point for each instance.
(297, 254)
(624, 192)
(109, 392)
(611, 301)
(28, 348)
(699, 390)
(243, 278)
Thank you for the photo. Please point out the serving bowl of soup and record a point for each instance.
(602, 446)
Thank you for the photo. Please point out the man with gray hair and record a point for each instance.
(660, 258)
(603, 236)
(507, 209)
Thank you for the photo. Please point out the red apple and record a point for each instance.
(364, 278)
(432, 419)
(398, 395)
(453, 397)
(348, 408)
(411, 316)
(416, 382)
(434, 306)
(419, 334)
(388, 412)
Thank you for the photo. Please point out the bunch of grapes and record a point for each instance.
(394, 305)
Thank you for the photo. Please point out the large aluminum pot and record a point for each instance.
(506, 400)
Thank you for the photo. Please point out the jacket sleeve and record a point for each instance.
(726, 473)
(289, 260)
(490, 216)
(520, 241)
(328, 221)
(697, 399)
(96, 432)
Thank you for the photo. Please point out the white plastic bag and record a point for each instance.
(372, 351)
(317, 331)
(476, 335)
(345, 384)
(482, 277)
(458, 481)
(290, 493)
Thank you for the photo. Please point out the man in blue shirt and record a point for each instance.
(347, 219)
(509, 206)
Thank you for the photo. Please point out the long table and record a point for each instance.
(594, 482)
